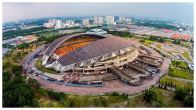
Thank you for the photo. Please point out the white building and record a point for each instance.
(69, 23)
(52, 21)
(50, 24)
(59, 24)
(85, 22)
(98, 20)
(109, 20)
(122, 19)
(128, 20)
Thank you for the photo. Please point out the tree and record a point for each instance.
(23, 46)
(115, 94)
(161, 39)
(17, 93)
(103, 101)
(177, 41)
(34, 83)
(16, 69)
(180, 94)
(149, 95)
(56, 95)
(188, 101)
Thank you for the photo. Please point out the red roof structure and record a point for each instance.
(175, 36)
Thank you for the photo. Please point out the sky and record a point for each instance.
(180, 12)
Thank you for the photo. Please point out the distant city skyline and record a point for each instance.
(180, 12)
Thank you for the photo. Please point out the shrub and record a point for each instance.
(149, 95)
(188, 101)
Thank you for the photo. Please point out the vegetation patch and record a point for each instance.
(39, 66)
(149, 42)
(174, 72)
(166, 80)
(158, 98)
(186, 55)
(180, 69)
(159, 46)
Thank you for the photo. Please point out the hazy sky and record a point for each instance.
(182, 12)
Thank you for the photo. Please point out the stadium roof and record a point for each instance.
(94, 49)
(96, 30)
(55, 44)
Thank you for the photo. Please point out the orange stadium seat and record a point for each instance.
(71, 45)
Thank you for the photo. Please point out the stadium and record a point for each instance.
(88, 52)
(95, 61)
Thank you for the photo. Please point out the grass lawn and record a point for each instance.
(39, 66)
(96, 101)
(186, 55)
(178, 83)
(183, 65)
(174, 72)
(81, 101)
(164, 99)
(137, 101)
(159, 46)
(187, 44)
(148, 42)
(50, 103)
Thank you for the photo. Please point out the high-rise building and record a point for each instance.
(98, 20)
(189, 28)
(128, 21)
(122, 19)
(116, 18)
(50, 24)
(85, 22)
(70, 22)
(109, 20)
(52, 21)
(59, 24)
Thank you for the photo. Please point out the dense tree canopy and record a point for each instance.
(17, 90)
(121, 33)
(149, 95)
(17, 93)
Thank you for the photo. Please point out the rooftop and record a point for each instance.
(95, 49)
